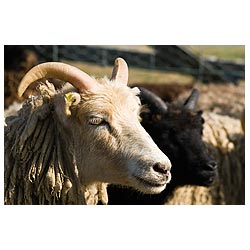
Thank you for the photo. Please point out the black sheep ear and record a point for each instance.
(191, 101)
(153, 102)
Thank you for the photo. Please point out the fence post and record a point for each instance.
(104, 57)
(55, 52)
(201, 68)
(152, 61)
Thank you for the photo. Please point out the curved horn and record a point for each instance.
(120, 71)
(62, 71)
(155, 103)
(191, 101)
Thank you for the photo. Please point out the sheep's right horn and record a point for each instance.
(120, 71)
(62, 71)
(192, 100)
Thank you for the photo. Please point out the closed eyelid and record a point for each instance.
(98, 119)
(95, 120)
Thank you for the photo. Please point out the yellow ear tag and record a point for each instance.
(69, 97)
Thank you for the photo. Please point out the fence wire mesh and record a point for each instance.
(157, 57)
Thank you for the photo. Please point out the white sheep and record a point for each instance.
(63, 146)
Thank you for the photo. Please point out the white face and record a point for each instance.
(110, 140)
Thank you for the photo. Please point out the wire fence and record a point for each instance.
(164, 58)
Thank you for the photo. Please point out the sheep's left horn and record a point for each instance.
(79, 79)
(155, 103)
(120, 71)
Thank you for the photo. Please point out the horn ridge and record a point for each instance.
(79, 79)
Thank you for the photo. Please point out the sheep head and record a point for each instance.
(99, 123)
(177, 130)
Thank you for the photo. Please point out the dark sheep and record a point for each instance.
(177, 130)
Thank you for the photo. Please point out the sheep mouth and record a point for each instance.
(150, 183)
(208, 178)
(209, 181)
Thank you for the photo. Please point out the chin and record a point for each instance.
(149, 186)
(207, 180)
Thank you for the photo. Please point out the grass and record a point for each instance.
(135, 75)
(232, 52)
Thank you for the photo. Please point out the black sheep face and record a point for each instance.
(177, 130)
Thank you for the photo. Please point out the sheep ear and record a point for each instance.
(64, 103)
(152, 101)
(72, 98)
(191, 101)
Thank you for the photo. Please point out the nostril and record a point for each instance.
(161, 168)
(212, 165)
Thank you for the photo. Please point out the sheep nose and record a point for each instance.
(161, 168)
(211, 165)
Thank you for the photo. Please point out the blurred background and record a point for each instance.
(169, 71)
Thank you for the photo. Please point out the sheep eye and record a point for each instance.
(96, 120)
